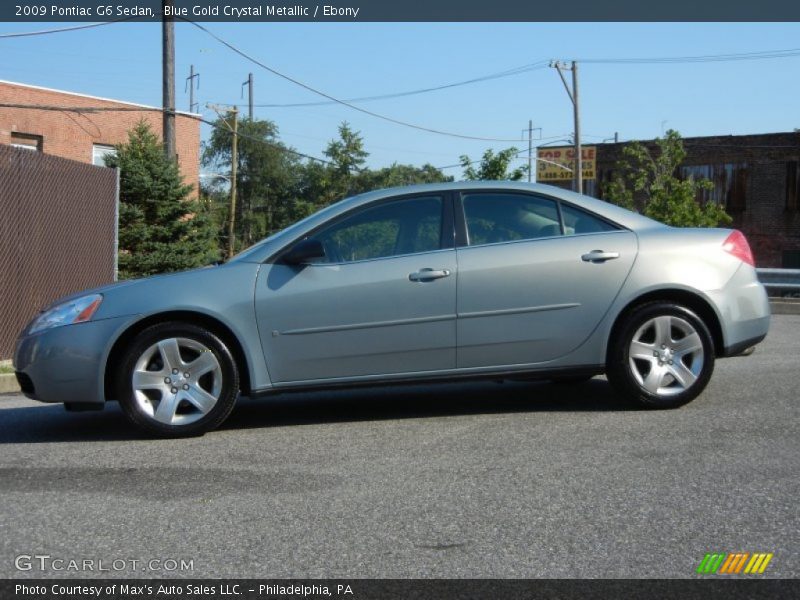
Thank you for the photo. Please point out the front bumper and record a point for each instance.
(67, 364)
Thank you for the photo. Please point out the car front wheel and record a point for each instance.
(178, 379)
(662, 356)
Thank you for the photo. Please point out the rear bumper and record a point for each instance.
(744, 311)
(66, 364)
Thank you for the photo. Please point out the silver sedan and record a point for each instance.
(424, 283)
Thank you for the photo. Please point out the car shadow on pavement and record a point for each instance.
(48, 424)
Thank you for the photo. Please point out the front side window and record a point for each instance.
(390, 229)
(495, 217)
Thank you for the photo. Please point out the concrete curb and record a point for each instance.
(8, 383)
(784, 306)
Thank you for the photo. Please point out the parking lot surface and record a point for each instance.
(482, 480)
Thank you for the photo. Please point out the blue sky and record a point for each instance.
(356, 59)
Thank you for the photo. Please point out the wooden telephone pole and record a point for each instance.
(234, 164)
(168, 82)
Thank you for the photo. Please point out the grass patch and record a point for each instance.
(6, 369)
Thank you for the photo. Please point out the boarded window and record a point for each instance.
(792, 184)
(730, 183)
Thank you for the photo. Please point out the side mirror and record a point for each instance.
(304, 252)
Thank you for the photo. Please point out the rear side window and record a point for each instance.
(389, 229)
(577, 221)
(497, 217)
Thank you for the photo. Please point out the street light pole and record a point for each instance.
(577, 117)
(573, 96)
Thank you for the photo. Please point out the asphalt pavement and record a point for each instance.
(508, 480)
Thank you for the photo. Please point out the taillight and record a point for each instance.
(736, 244)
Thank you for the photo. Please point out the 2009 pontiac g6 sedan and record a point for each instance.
(422, 283)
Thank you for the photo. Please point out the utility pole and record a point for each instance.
(190, 83)
(234, 165)
(168, 81)
(530, 148)
(530, 131)
(249, 84)
(573, 96)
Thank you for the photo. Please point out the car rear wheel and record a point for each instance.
(662, 356)
(178, 379)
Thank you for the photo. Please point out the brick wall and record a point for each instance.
(765, 220)
(72, 135)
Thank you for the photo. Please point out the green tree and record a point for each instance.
(398, 175)
(347, 156)
(267, 177)
(493, 166)
(648, 182)
(161, 228)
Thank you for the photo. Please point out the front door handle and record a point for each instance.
(428, 274)
(598, 256)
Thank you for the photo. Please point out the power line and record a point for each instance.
(542, 64)
(337, 100)
(760, 55)
(100, 109)
(61, 30)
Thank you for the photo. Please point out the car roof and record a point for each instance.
(622, 216)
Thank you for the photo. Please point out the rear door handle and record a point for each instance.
(428, 274)
(598, 256)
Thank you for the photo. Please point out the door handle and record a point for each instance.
(428, 274)
(598, 256)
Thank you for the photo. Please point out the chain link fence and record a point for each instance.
(58, 233)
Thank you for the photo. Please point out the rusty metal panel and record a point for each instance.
(57, 233)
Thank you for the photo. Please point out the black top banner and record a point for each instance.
(403, 10)
(396, 589)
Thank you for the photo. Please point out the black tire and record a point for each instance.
(221, 382)
(622, 371)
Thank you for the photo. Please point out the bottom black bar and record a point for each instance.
(416, 589)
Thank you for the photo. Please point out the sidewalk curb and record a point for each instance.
(8, 384)
(784, 306)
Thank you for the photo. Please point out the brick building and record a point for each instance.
(756, 177)
(87, 136)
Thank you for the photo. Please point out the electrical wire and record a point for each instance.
(60, 30)
(760, 55)
(542, 64)
(100, 109)
(266, 67)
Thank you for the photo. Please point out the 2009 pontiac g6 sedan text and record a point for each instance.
(423, 283)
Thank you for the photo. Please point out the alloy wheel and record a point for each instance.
(177, 381)
(666, 355)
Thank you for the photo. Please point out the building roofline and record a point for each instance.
(101, 98)
(695, 138)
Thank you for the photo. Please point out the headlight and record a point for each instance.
(73, 311)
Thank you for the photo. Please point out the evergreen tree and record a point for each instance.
(160, 228)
